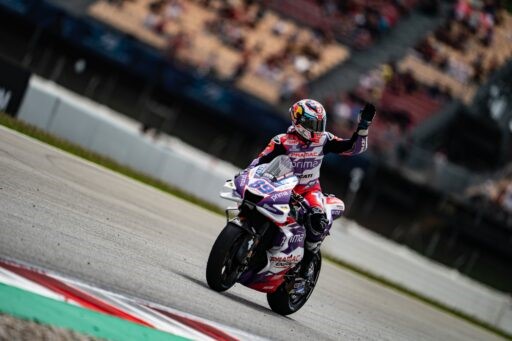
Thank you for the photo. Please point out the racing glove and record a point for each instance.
(367, 114)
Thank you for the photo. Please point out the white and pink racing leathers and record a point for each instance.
(307, 157)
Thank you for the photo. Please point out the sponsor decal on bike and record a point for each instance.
(286, 181)
(304, 154)
(336, 213)
(279, 195)
(272, 209)
(306, 163)
(292, 142)
(260, 170)
(242, 179)
(298, 238)
(290, 259)
(285, 262)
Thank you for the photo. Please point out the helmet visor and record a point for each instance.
(316, 125)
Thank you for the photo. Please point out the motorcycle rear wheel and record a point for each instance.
(284, 302)
(223, 268)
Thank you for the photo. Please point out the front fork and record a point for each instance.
(248, 249)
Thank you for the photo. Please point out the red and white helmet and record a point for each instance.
(309, 119)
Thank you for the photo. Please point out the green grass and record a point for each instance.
(72, 148)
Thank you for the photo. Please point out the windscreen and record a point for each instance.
(279, 168)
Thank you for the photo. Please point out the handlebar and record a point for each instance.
(300, 200)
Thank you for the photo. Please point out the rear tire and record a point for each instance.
(283, 302)
(222, 269)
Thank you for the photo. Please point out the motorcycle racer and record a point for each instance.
(306, 142)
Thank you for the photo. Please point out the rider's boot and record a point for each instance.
(316, 226)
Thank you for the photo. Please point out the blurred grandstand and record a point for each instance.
(220, 75)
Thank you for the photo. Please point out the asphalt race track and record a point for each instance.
(72, 217)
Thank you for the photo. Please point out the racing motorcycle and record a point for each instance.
(262, 244)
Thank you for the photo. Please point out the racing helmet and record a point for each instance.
(309, 119)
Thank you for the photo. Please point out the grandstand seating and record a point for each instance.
(403, 104)
(345, 19)
(430, 75)
(261, 44)
(435, 72)
(491, 57)
(405, 109)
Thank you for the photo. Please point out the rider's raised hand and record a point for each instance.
(367, 114)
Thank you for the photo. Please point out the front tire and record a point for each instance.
(284, 302)
(223, 268)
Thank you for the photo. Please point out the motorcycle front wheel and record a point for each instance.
(285, 301)
(223, 265)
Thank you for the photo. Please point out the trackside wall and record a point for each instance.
(102, 130)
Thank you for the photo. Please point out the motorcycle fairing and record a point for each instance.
(275, 195)
(334, 207)
(287, 251)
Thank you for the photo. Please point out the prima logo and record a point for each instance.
(306, 164)
(298, 238)
(279, 195)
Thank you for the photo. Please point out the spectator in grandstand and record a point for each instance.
(260, 14)
(342, 109)
(458, 70)
(288, 88)
(371, 84)
(462, 10)
(279, 28)
(435, 92)
(242, 66)
(329, 7)
(388, 71)
(174, 9)
(425, 48)
(206, 3)
(493, 66)
(207, 66)
(229, 32)
(154, 19)
(388, 140)
(303, 65)
(179, 44)
(269, 70)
